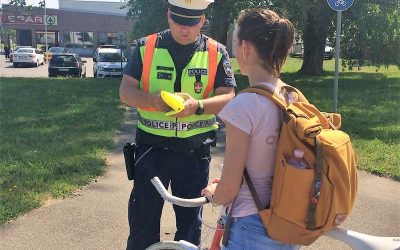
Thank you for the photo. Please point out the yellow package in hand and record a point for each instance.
(174, 101)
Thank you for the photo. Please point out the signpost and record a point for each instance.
(338, 6)
(121, 39)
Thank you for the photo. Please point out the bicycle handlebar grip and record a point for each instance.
(196, 202)
(160, 187)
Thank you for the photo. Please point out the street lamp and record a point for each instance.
(45, 23)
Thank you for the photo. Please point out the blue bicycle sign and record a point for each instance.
(340, 5)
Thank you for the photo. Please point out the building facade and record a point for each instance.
(80, 26)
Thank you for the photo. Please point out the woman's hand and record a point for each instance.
(209, 191)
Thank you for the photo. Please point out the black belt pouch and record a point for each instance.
(129, 155)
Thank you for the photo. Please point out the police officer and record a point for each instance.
(174, 148)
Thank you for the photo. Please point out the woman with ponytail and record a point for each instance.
(253, 124)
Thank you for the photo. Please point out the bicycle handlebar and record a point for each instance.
(354, 239)
(196, 202)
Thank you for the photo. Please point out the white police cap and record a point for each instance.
(188, 12)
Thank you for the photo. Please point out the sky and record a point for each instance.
(53, 4)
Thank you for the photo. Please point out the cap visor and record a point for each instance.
(185, 21)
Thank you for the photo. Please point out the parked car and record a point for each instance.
(58, 50)
(329, 52)
(55, 51)
(297, 50)
(109, 46)
(28, 56)
(14, 50)
(108, 62)
(67, 65)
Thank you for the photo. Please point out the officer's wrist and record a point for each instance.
(200, 107)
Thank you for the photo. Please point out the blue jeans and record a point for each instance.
(249, 233)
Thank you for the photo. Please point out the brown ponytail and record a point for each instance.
(271, 35)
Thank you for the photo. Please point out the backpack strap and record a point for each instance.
(267, 92)
(253, 191)
(256, 199)
(316, 188)
(273, 96)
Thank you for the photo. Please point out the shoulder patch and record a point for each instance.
(228, 68)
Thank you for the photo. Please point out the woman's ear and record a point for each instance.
(245, 49)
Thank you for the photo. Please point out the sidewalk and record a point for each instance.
(96, 218)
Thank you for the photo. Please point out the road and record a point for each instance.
(7, 69)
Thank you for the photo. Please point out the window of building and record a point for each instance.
(106, 38)
(41, 37)
(122, 39)
(77, 39)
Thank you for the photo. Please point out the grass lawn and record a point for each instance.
(369, 103)
(55, 134)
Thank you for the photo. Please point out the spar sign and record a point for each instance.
(31, 19)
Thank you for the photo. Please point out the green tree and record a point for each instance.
(372, 34)
(370, 28)
(149, 16)
(313, 21)
(22, 8)
(223, 13)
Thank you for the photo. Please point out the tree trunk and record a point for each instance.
(314, 40)
(219, 22)
(314, 45)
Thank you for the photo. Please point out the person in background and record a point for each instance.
(252, 124)
(174, 148)
(7, 51)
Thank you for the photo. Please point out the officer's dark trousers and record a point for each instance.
(188, 175)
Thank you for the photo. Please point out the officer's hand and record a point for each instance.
(158, 103)
(190, 104)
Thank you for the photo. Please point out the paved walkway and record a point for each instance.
(96, 218)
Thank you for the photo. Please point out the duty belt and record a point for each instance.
(178, 126)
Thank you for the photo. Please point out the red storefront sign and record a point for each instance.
(21, 19)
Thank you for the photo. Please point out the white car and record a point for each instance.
(28, 56)
(329, 52)
(12, 52)
(108, 62)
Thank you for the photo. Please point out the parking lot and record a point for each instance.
(7, 69)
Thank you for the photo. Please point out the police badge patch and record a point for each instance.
(228, 68)
(198, 87)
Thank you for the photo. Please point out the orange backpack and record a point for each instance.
(305, 203)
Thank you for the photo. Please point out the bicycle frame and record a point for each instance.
(356, 240)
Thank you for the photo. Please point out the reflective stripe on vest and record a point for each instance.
(212, 65)
(177, 126)
(148, 58)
